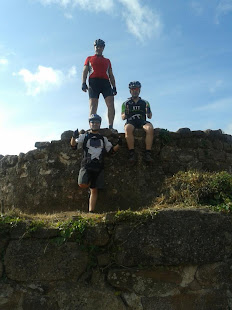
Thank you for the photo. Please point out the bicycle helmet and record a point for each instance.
(95, 117)
(135, 84)
(99, 42)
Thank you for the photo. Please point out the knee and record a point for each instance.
(128, 130)
(83, 185)
(149, 130)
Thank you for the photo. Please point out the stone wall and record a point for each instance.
(174, 260)
(44, 180)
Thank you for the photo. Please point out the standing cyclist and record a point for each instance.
(135, 110)
(101, 79)
(94, 145)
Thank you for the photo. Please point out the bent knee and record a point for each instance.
(149, 128)
(129, 129)
(83, 185)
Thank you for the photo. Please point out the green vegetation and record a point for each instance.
(73, 229)
(200, 188)
(125, 215)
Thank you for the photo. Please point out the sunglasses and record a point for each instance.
(95, 122)
(136, 88)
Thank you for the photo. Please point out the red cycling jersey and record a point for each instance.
(98, 67)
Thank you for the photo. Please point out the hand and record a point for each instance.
(114, 91)
(76, 134)
(119, 141)
(127, 110)
(84, 87)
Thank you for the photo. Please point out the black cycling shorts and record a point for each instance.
(99, 86)
(96, 179)
(137, 123)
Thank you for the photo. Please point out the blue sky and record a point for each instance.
(180, 51)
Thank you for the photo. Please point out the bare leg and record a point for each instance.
(129, 129)
(93, 199)
(111, 111)
(149, 135)
(93, 104)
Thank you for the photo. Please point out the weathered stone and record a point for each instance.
(213, 275)
(38, 302)
(132, 301)
(161, 241)
(155, 282)
(216, 300)
(42, 145)
(96, 235)
(9, 298)
(1, 269)
(71, 296)
(44, 261)
(66, 135)
(184, 131)
(103, 259)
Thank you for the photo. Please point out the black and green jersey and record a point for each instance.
(138, 109)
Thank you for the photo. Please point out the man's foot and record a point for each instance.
(114, 131)
(147, 157)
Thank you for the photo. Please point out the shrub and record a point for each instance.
(194, 187)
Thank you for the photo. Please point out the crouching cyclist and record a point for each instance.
(95, 146)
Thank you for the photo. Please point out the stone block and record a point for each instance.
(39, 260)
(146, 282)
(162, 241)
(203, 300)
(72, 296)
(42, 145)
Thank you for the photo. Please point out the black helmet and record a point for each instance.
(135, 84)
(99, 42)
(95, 117)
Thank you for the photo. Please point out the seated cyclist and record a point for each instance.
(134, 111)
(94, 145)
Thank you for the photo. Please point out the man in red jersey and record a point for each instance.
(101, 79)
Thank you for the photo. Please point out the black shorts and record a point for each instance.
(98, 86)
(137, 123)
(96, 179)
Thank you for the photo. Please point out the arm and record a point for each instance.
(111, 77)
(148, 110)
(123, 114)
(73, 142)
(84, 77)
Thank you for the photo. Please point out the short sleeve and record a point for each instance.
(80, 140)
(108, 144)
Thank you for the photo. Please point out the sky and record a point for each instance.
(180, 51)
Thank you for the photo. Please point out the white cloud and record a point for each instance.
(218, 105)
(72, 72)
(141, 21)
(92, 5)
(43, 80)
(197, 7)
(3, 61)
(224, 7)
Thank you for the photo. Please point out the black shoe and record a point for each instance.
(132, 157)
(148, 158)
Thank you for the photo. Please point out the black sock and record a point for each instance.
(110, 126)
(148, 151)
(131, 151)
